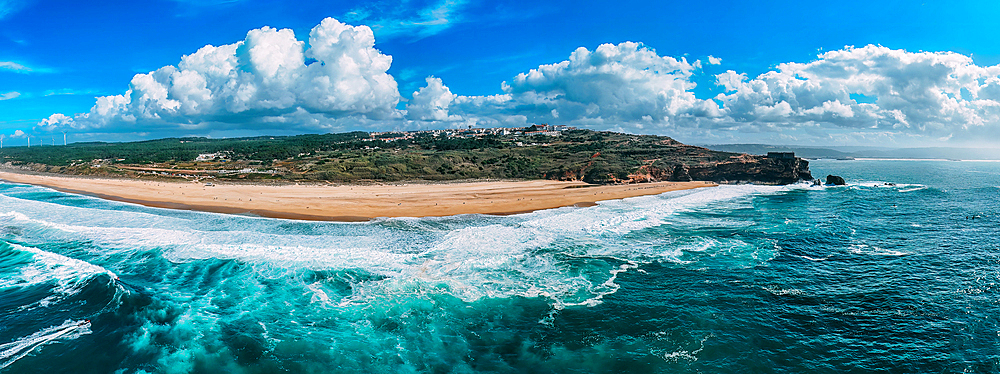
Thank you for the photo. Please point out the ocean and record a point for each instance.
(897, 272)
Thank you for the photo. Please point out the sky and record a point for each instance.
(844, 73)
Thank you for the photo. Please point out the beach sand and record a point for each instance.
(351, 202)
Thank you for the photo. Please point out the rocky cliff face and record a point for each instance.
(754, 169)
(736, 169)
(742, 169)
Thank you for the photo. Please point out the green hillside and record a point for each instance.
(596, 157)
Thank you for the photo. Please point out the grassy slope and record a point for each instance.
(597, 157)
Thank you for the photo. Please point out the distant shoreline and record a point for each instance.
(351, 203)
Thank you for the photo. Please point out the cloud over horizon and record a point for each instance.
(870, 95)
(267, 80)
(874, 90)
(613, 85)
(336, 80)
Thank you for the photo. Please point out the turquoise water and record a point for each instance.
(734, 279)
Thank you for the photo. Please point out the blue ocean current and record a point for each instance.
(897, 272)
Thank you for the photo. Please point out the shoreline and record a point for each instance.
(350, 203)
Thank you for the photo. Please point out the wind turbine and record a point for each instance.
(1, 140)
(64, 138)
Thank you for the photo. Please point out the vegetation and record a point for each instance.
(596, 157)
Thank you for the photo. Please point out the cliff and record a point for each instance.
(475, 154)
(754, 169)
(741, 168)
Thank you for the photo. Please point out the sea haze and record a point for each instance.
(895, 272)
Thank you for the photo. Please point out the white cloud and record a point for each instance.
(926, 94)
(714, 60)
(270, 82)
(250, 83)
(13, 66)
(56, 121)
(9, 95)
(854, 94)
(18, 134)
(390, 19)
(618, 83)
(613, 85)
(68, 92)
(431, 102)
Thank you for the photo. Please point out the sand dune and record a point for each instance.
(352, 202)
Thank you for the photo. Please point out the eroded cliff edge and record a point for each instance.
(546, 152)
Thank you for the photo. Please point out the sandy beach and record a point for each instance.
(351, 202)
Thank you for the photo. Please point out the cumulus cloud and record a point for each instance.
(617, 83)
(860, 95)
(612, 85)
(9, 95)
(924, 93)
(261, 82)
(54, 122)
(431, 102)
(336, 80)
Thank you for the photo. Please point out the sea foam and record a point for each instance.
(473, 256)
(68, 330)
(67, 275)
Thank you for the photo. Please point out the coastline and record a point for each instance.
(351, 203)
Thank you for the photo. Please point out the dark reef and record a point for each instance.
(835, 180)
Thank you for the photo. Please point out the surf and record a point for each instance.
(68, 330)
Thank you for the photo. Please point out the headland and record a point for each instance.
(350, 202)
(360, 175)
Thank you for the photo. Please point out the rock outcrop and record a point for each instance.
(835, 180)
(747, 169)
(682, 173)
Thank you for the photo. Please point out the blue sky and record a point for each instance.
(920, 73)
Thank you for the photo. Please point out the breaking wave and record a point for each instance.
(474, 256)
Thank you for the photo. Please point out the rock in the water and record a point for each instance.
(835, 180)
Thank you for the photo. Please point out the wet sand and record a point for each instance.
(351, 202)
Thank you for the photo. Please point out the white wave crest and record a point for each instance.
(627, 215)
(69, 330)
(865, 249)
(912, 189)
(687, 355)
(69, 275)
(472, 256)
